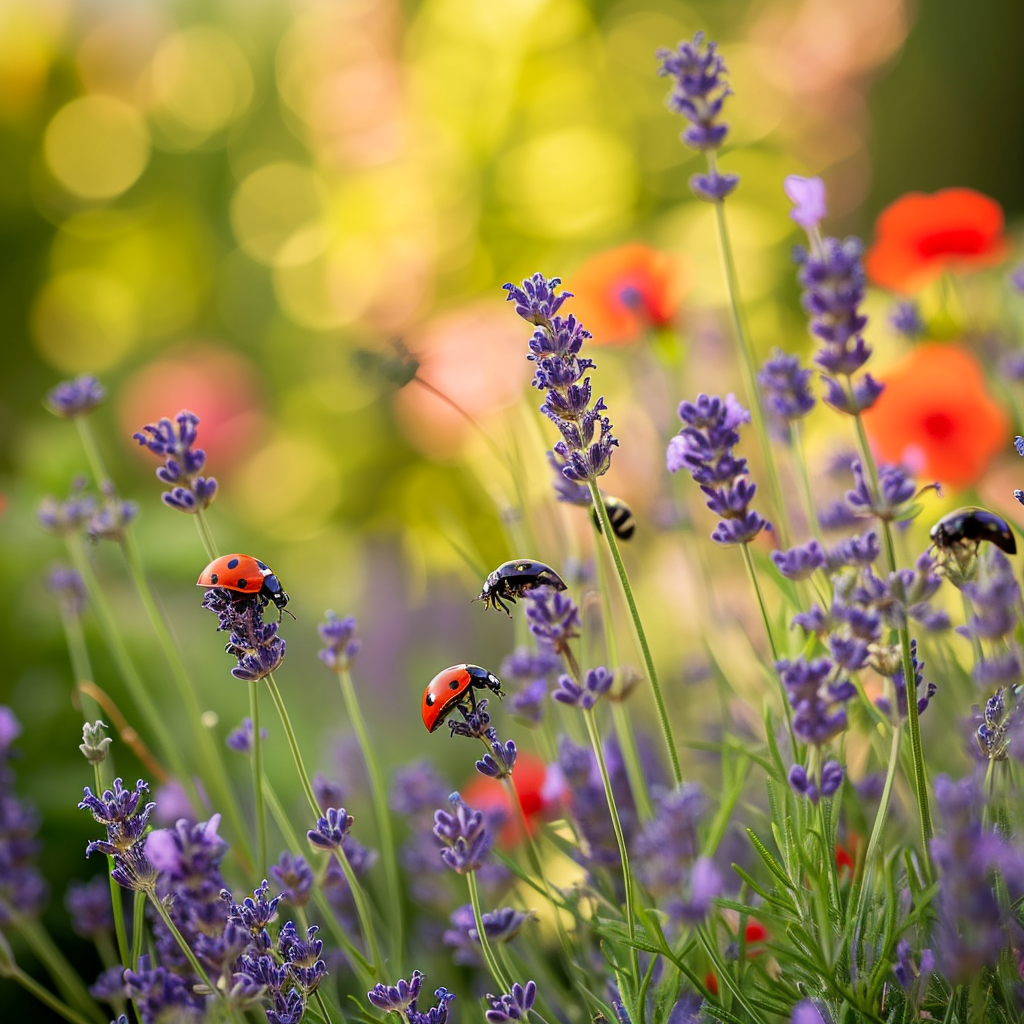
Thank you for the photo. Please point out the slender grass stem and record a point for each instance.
(652, 674)
(362, 965)
(358, 894)
(138, 927)
(492, 962)
(800, 457)
(919, 778)
(137, 689)
(620, 839)
(257, 779)
(92, 450)
(379, 796)
(64, 975)
(80, 664)
(206, 534)
(620, 720)
(749, 372)
(328, 1016)
(44, 995)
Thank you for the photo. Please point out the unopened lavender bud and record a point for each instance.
(94, 744)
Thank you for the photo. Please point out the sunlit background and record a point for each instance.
(215, 206)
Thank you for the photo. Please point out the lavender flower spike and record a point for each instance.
(785, 387)
(596, 683)
(514, 1006)
(808, 198)
(340, 642)
(331, 830)
(464, 835)
(76, 397)
(183, 463)
(398, 997)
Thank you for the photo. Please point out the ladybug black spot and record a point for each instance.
(233, 564)
(453, 685)
(241, 584)
(430, 699)
(215, 578)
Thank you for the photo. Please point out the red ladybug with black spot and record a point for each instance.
(245, 576)
(454, 688)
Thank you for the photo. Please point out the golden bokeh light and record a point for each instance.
(84, 320)
(96, 146)
(199, 83)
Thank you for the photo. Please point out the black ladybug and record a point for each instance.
(972, 526)
(513, 579)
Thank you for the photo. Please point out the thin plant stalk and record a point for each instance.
(748, 370)
(492, 963)
(138, 928)
(257, 779)
(206, 534)
(380, 804)
(358, 894)
(620, 720)
(116, 903)
(140, 695)
(64, 975)
(80, 665)
(800, 458)
(44, 995)
(627, 590)
(620, 839)
(919, 778)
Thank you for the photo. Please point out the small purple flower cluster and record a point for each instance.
(67, 586)
(340, 642)
(530, 669)
(585, 450)
(23, 891)
(698, 93)
(183, 463)
(464, 836)
(516, 1005)
(786, 392)
(126, 820)
(499, 926)
(68, 517)
(596, 683)
(704, 448)
(832, 276)
(402, 998)
(415, 794)
(76, 397)
(254, 644)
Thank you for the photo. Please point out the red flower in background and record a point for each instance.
(620, 293)
(937, 418)
(533, 788)
(919, 236)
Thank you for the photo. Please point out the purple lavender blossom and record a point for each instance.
(524, 665)
(67, 586)
(240, 739)
(817, 693)
(76, 397)
(499, 926)
(253, 914)
(398, 997)
(860, 551)
(596, 683)
(416, 788)
(464, 835)
(340, 643)
(126, 820)
(528, 703)
(553, 618)
(910, 975)
(501, 759)
(295, 877)
(995, 596)
(807, 1012)
(698, 93)
(254, 643)
(895, 489)
(90, 908)
(114, 516)
(800, 562)
(585, 449)
(905, 318)
(159, 994)
(900, 688)
(302, 956)
(183, 463)
(331, 830)
(825, 785)
(64, 518)
(785, 390)
(516, 1005)
(704, 447)
(808, 198)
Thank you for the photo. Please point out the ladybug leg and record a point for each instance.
(501, 604)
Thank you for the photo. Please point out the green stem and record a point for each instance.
(80, 664)
(92, 450)
(620, 839)
(206, 534)
(380, 804)
(215, 774)
(136, 688)
(919, 778)
(116, 904)
(362, 965)
(492, 963)
(358, 895)
(783, 528)
(44, 995)
(800, 456)
(620, 720)
(138, 927)
(64, 975)
(257, 779)
(627, 590)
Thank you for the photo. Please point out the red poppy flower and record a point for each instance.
(937, 418)
(620, 293)
(711, 982)
(843, 861)
(919, 236)
(532, 784)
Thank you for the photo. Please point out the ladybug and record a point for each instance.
(452, 688)
(973, 525)
(620, 515)
(246, 575)
(513, 579)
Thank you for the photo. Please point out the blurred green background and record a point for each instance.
(213, 206)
